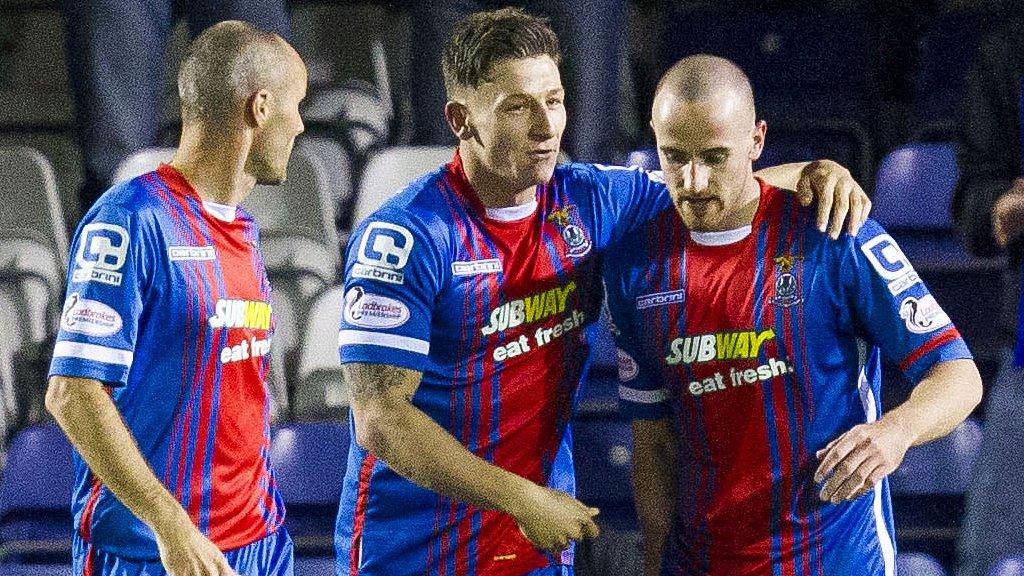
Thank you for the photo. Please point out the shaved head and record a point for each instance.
(708, 136)
(702, 79)
(227, 64)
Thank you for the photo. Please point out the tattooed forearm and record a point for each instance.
(368, 381)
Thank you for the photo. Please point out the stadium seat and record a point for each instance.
(35, 490)
(942, 466)
(844, 141)
(26, 175)
(33, 274)
(1009, 566)
(914, 187)
(389, 171)
(145, 160)
(10, 342)
(646, 158)
(309, 462)
(357, 113)
(928, 491)
(302, 206)
(603, 452)
(58, 145)
(917, 564)
(313, 566)
(320, 392)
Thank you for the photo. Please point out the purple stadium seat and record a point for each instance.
(646, 158)
(942, 466)
(309, 464)
(914, 187)
(1009, 566)
(917, 564)
(35, 493)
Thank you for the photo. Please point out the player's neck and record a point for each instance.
(214, 164)
(746, 207)
(493, 190)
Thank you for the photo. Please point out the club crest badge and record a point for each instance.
(575, 237)
(787, 288)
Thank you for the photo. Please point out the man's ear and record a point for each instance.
(758, 134)
(258, 110)
(457, 115)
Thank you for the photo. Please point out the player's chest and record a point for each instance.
(506, 281)
(704, 304)
(214, 285)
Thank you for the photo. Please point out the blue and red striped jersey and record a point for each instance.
(168, 304)
(496, 307)
(761, 345)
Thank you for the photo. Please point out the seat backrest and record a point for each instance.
(646, 158)
(320, 391)
(392, 169)
(142, 161)
(914, 187)
(1008, 566)
(309, 460)
(38, 474)
(942, 466)
(27, 177)
(918, 564)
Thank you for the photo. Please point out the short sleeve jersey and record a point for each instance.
(496, 307)
(762, 346)
(168, 305)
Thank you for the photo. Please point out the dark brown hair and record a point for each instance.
(483, 39)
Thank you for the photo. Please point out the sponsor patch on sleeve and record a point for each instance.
(369, 310)
(923, 315)
(89, 317)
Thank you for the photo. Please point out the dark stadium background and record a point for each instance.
(875, 85)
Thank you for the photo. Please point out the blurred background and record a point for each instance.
(920, 99)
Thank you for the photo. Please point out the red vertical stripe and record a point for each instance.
(85, 526)
(363, 495)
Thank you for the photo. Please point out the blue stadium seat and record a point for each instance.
(844, 141)
(35, 495)
(1009, 566)
(646, 158)
(917, 564)
(309, 463)
(942, 466)
(928, 491)
(914, 187)
(603, 452)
